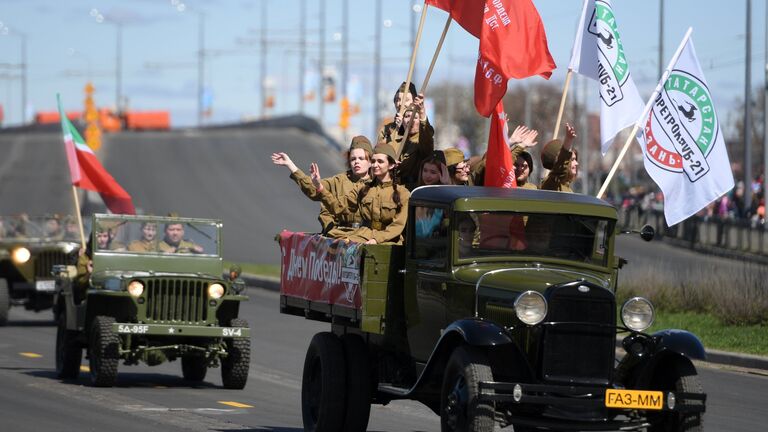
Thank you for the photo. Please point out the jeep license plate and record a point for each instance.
(45, 285)
(635, 399)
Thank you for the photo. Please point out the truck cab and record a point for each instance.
(500, 308)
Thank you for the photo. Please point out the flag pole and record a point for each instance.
(646, 110)
(79, 217)
(562, 103)
(434, 57)
(401, 108)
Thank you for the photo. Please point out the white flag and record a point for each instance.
(599, 54)
(684, 151)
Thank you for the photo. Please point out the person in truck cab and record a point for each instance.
(148, 241)
(563, 161)
(174, 242)
(382, 203)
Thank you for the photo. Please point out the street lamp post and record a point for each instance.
(5, 30)
(100, 18)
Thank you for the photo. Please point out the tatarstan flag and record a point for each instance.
(88, 173)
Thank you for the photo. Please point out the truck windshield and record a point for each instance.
(156, 237)
(572, 237)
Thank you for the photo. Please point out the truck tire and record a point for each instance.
(680, 376)
(5, 302)
(459, 408)
(358, 377)
(235, 366)
(194, 368)
(68, 352)
(103, 352)
(323, 384)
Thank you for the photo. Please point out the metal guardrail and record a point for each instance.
(734, 237)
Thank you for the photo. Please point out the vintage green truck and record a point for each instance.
(500, 308)
(155, 293)
(29, 248)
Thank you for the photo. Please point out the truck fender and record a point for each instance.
(670, 345)
(680, 342)
(470, 331)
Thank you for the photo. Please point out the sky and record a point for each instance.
(66, 45)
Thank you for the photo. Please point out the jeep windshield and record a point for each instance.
(577, 238)
(50, 228)
(156, 236)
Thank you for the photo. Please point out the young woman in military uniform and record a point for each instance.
(562, 160)
(359, 159)
(382, 203)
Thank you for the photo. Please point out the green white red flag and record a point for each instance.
(683, 147)
(87, 172)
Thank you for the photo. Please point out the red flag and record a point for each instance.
(468, 13)
(513, 44)
(88, 173)
(499, 167)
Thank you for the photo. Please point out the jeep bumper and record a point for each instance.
(181, 330)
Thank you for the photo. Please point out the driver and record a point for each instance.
(174, 242)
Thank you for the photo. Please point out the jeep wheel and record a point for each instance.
(680, 377)
(358, 378)
(194, 368)
(68, 352)
(103, 352)
(459, 408)
(323, 384)
(234, 367)
(5, 302)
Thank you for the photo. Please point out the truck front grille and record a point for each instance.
(45, 260)
(176, 301)
(579, 347)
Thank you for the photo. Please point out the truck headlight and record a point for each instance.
(531, 307)
(637, 314)
(21, 255)
(136, 288)
(215, 291)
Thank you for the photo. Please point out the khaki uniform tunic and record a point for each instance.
(416, 148)
(184, 247)
(338, 185)
(143, 246)
(381, 219)
(558, 178)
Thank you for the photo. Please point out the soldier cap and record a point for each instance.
(453, 156)
(387, 149)
(361, 142)
(549, 153)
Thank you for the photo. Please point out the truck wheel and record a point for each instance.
(459, 408)
(5, 302)
(194, 368)
(68, 352)
(234, 367)
(358, 406)
(103, 352)
(681, 377)
(323, 384)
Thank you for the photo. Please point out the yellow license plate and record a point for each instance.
(636, 399)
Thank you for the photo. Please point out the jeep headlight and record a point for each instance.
(136, 288)
(21, 255)
(531, 307)
(215, 291)
(637, 314)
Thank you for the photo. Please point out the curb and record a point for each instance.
(713, 356)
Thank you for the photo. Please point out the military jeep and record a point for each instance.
(151, 297)
(29, 248)
(499, 309)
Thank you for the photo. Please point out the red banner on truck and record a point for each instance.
(320, 269)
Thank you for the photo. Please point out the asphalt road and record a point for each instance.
(156, 398)
(225, 174)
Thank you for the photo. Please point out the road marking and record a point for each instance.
(84, 368)
(236, 404)
(30, 355)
